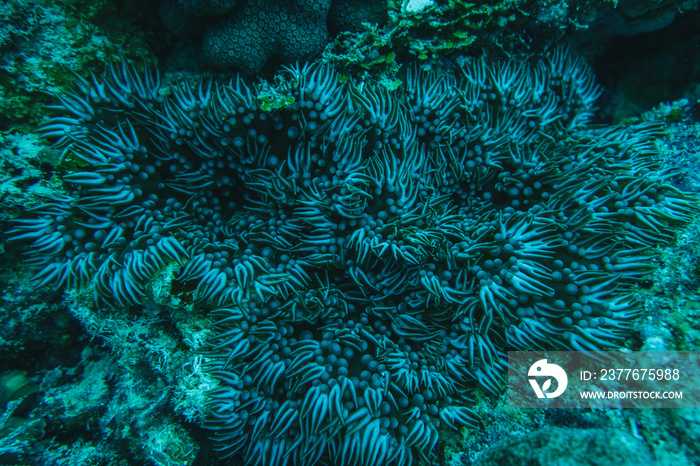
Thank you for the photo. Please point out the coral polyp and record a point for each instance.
(367, 255)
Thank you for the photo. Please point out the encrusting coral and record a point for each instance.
(367, 255)
(244, 35)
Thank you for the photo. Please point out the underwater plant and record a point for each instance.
(368, 255)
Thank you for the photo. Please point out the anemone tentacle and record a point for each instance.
(367, 255)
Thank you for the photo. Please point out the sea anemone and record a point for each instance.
(367, 255)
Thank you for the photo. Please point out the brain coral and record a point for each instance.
(367, 255)
(247, 36)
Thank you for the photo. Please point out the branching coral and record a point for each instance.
(446, 29)
(367, 255)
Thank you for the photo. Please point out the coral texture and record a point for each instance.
(42, 43)
(367, 255)
(247, 36)
(569, 446)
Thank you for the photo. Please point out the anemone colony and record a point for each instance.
(367, 255)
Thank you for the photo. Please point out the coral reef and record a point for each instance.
(446, 30)
(449, 29)
(367, 255)
(26, 172)
(246, 37)
(348, 15)
(115, 387)
(672, 302)
(569, 446)
(42, 43)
